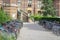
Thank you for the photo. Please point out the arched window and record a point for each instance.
(29, 11)
(39, 12)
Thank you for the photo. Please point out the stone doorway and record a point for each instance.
(23, 16)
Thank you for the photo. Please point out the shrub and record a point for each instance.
(50, 19)
(3, 16)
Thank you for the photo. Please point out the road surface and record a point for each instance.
(32, 31)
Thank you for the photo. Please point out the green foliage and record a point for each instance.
(6, 36)
(49, 8)
(3, 16)
(38, 17)
(52, 19)
(1, 38)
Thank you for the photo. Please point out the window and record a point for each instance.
(19, 2)
(29, 3)
(39, 4)
(39, 12)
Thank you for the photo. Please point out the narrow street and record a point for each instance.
(32, 31)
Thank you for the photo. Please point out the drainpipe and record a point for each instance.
(34, 8)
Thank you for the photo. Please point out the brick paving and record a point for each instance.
(36, 32)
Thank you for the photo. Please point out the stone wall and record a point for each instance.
(10, 7)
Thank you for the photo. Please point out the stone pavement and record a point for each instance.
(32, 31)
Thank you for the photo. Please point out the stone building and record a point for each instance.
(10, 6)
(27, 7)
(57, 6)
(34, 6)
(30, 7)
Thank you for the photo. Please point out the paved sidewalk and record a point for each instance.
(36, 32)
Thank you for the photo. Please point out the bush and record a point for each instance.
(3, 16)
(6, 36)
(36, 17)
(39, 17)
(50, 19)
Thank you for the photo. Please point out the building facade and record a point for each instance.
(10, 7)
(27, 6)
(34, 6)
(31, 7)
(57, 6)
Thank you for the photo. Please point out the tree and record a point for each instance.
(3, 16)
(49, 8)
